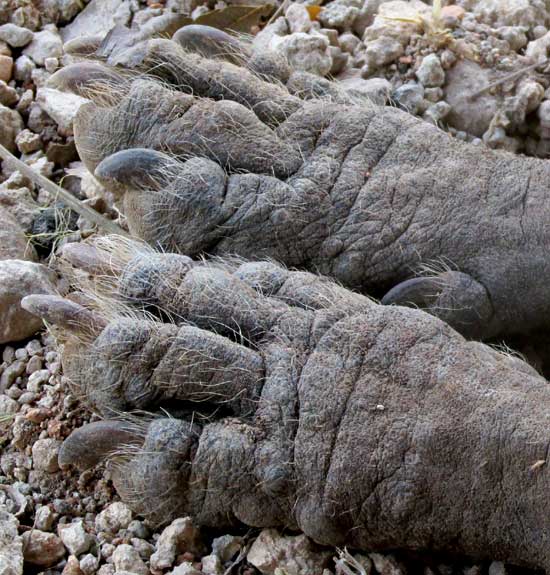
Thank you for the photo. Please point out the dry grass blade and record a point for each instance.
(507, 77)
(346, 564)
(64, 196)
(280, 10)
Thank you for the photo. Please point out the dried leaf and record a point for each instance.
(236, 18)
(314, 12)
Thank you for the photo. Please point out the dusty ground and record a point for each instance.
(478, 68)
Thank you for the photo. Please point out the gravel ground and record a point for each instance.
(478, 68)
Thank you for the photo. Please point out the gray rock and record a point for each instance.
(28, 142)
(337, 15)
(27, 398)
(373, 90)
(44, 518)
(227, 546)
(18, 201)
(6, 67)
(433, 94)
(45, 44)
(11, 545)
(8, 95)
(430, 73)
(34, 347)
(97, 19)
(144, 549)
(497, 568)
(181, 535)
(138, 529)
(15, 36)
(72, 567)
(44, 457)
(106, 569)
(40, 164)
(539, 31)
(529, 95)
(18, 279)
(14, 245)
(398, 19)
(60, 106)
(383, 51)
(211, 565)
(298, 18)
(8, 406)
(496, 137)
(272, 551)
(515, 36)
(8, 355)
(12, 124)
(41, 548)
(40, 76)
(88, 564)
(348, 42)
(23, 68)
(107, 550)
(126, 558)
(37, 379)
(34, 365)
(185, 568)
(51, 65)
(498, 13)
(27, 15)
(409, 96)
(74, 537)
(543, 114)
(386, 564)
(267, 38)
(331, 34)
(10, 374)
(339, 60)
(38, 120)
(309, 53)
(60, 11)
(437, 112)
(468, 113)
(113, 518)
(530, 92)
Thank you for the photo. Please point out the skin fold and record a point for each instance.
(208, 157)
(297, 403)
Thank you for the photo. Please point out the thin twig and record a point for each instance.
(82, 209)
(505, 79)
(277, 12)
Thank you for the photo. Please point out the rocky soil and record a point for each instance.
(478, 68)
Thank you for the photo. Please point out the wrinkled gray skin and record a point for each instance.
(376, 427)
(368, 196)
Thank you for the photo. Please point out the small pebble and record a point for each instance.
(6, 68)
(75, 538)
(44, 518)
(21, 353)
(126, 558)
(113, 518)
(88, 564)
(41, 548)
(44, 454)
(34, 364)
